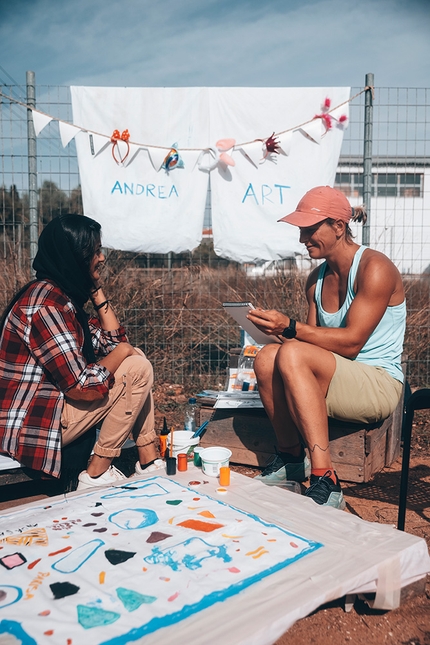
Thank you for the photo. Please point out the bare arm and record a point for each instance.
(377, 285)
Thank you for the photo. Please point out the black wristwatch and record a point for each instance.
(290, 331)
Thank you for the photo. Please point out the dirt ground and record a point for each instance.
(376, 501)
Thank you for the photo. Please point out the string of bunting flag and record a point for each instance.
(169, 157)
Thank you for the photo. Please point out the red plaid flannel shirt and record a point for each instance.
(40, 359)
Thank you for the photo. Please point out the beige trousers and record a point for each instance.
(128, 410)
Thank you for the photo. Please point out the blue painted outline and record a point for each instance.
(20, 594)
(217, 596)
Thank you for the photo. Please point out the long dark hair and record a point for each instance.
(66, 247)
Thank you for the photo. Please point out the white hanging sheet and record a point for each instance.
(159, 559)
(140, 207)
(144, 208)
(247, 200)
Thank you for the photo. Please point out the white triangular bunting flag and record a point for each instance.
(314, 130)
(254, 151)
(40, 121)
(190, 158)
(157, 156)
(97, 143)
(285, 142)
(67, 132)
(134, 150)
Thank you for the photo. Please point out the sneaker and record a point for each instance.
(111, 476)
(325, 492)
(157, 465)
(277, 472)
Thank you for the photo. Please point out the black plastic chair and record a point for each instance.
(419, 400)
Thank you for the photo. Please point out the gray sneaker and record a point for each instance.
(277, 472)
(325, 492)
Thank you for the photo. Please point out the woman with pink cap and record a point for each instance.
(344, 361)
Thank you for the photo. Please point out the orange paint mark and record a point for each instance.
(198, 525)
(272, 540)
(55, 521)
(46, 612)
(144, 569)
(175, 595)
(64, 518)
(33, 564)
(232, 537)
(207, 514)
(196, 499)
(171, 520)
(256, 551)
(165, 579)
(69, 641)
(66, 548)
(65, 537)
(115, 533)
(49, 632)
(258, 555)
(294, 545)
(102, 576)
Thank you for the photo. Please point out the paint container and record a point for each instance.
(213, 459)
(171, 465)
(224, 476)
(182, 442)
(182, 462)
(197, 459)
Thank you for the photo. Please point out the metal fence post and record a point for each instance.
(367, 154)
(32, 167)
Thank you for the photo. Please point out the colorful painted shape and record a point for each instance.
(63, 589)
(134, 518)
(198, 525)
(90, 617)
(116, 556)
(12, 560)
(157, 536)
(74, 560)
(133, 599)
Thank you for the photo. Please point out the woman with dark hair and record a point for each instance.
(61, 372)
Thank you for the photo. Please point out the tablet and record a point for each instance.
(239, 310)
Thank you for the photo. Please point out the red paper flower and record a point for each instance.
(272, 145)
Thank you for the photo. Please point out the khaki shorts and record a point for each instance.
(361, 393)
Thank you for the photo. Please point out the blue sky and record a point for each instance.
(216, 42)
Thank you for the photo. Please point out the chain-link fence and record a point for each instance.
(171, 304)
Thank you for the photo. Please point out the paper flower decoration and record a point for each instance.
(209, 158)
(172, 160)
(272, 145)
(327, 118)
(115, 139)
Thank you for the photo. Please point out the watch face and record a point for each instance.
(290, 331)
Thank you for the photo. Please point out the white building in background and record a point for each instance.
(400, 207)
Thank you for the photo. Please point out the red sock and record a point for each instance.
(328, 472)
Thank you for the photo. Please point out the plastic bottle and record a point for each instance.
(190, 415)
(245, 379)
(163, 438)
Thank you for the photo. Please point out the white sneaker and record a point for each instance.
(157, 465)
(111, 476)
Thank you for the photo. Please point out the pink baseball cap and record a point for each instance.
(317, 205)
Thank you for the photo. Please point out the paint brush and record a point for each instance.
(199, 430)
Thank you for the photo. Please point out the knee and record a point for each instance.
(139, 368)
(290, 357)
(264, 362)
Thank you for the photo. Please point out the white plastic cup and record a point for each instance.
(213, 458)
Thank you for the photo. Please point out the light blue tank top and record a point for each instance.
(385, 345)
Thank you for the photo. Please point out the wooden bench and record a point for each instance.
(358, 451)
